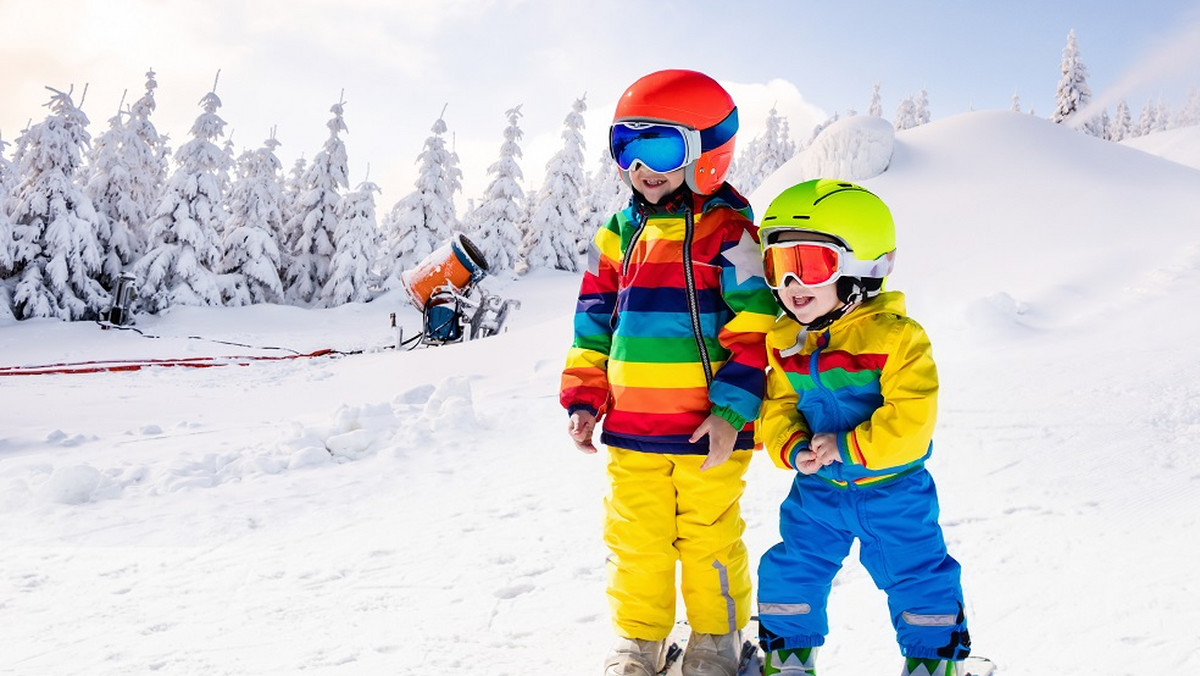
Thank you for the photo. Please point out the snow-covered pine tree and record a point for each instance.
(606, 194)
(184, 251)
(112, 182)
(743, 171)
(148, 162)
(425, 218)
(1073, 91)
(251, 260)
(1104, 123)
(1016, 103)
(1148, 121)
(6, 231)
(921, 107)
(1189, 114)
(497, 220)
(906, 115)
(1121, 126)
(357, 242)
(1162, 116)
(56, 256)
(316, 218)
(876, 107)
(293, 190)
(556, 237)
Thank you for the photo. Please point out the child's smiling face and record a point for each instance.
(653, 185)
(806, 303)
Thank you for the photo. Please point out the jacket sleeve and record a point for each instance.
(584, 383)
(739, 385)
(900, 431)
(784, 430)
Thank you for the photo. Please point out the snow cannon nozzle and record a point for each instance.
(457, 264)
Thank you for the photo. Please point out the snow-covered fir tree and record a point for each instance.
(56, 254)
(906, 115)
(251, 261)
(293, 190)
(1148, 121)
(764, 154)
(1073, 92)
(111, 185)
(315, 219)
(1120, 127)
(148, 159)
(1104, 124)
(184, 252)
(1015, 106)
(1189, 114)
(556, 237)
(425, 218)
(496, 223)
(876, 107)
(6, 231)
(1162, 116)
(357, 242)
(921, 107)
(606, 194)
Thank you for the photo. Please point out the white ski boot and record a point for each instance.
(712, 654)
(634, 657)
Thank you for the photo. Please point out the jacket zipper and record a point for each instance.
(629, 248)
(689, 278)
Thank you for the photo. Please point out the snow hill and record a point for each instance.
(423, 513)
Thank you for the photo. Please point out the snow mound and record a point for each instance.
(854, 149)
(1178, 145)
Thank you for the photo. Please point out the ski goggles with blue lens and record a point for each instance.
(664, 147)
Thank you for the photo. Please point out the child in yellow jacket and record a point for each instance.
(668, 356)
(851, 404)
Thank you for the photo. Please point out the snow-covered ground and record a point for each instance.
(422, 512)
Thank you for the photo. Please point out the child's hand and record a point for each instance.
(822, 451)
(721, 438)
(580, 427)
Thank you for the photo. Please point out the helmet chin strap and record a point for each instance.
(851, 292)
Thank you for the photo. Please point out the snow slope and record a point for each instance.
(422, 513)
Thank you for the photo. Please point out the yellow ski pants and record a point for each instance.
(662, 509)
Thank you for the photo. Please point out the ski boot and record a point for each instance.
(634, 657)
(712, 654)
(794, 662)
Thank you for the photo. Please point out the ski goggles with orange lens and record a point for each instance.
(818, 264)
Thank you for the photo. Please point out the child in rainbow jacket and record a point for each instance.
(668, 353)
(850, 406)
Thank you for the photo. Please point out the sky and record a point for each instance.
(398, 64)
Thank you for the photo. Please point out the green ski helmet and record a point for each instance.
(843, 213)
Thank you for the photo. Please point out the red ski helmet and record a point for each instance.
(693, 100)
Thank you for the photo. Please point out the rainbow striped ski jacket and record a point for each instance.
(670, 324)
(869, 378)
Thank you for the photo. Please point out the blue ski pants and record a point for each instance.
(901, 546)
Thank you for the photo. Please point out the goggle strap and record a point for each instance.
(720, 133)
